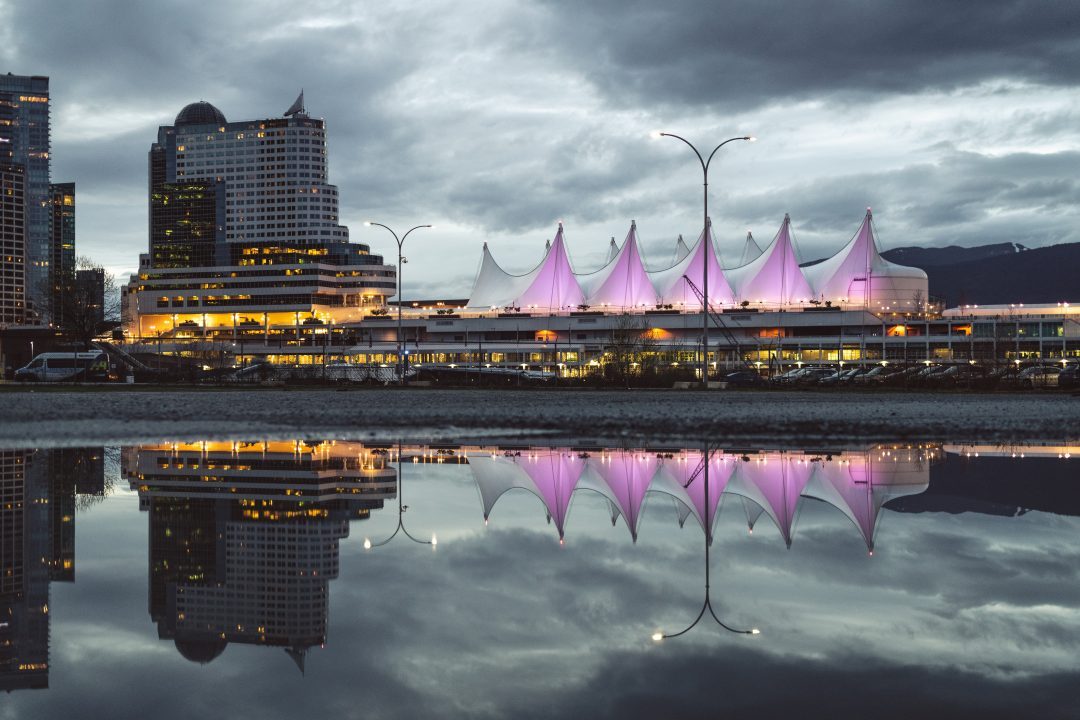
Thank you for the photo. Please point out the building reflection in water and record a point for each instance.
(244, 537)
(37, 547)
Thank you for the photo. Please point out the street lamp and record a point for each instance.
(433, 542)
(400, 260)
(705, 239)
(658, 635)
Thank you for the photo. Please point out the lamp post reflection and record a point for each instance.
(402, 507)
(707, 605)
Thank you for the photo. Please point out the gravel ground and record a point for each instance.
(50, 417)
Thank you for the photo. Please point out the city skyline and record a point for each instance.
(495, 122)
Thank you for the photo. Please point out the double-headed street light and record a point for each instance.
(707, 521)
(402, 507)
(400, 260)
(705, 239)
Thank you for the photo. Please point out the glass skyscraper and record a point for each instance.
(25, 143)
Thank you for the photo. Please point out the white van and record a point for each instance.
(58, 367)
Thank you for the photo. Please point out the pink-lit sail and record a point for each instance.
(554, 286)
(859, 276)
(555, 476)
(671, 284)
(774, 278)
(622, 283)
(628, 476)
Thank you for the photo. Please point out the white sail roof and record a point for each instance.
(551, 285)
(612, 251)
(671, 285)
(773, 278)
(858, 275)
(623, 282)
(494, 287)
(751, 250)
(681, 249)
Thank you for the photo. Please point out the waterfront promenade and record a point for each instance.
(115, 414)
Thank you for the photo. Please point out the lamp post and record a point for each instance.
(705, 240)
(400, 260)
(433, 542)
(658, 635)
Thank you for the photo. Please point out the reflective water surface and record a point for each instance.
(340, 579)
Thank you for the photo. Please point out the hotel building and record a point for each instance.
(245, 233)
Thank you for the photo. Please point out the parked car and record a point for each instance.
(1069, 377)
(811, 376)
(744, 378)
(873, 376)
(1039, 376)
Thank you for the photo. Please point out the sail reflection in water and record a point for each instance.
(767, 482)
(244, 537)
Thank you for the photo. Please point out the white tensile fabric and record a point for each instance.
(859, 276)
(774, 278)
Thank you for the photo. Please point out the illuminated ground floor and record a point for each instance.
(581, 344)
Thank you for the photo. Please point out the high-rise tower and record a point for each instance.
(25, 143)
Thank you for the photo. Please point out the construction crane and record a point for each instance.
(718, 320)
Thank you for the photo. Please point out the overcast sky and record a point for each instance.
(493, 119)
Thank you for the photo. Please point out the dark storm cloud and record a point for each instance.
(963, 198)
(699, 52)
(493, 120)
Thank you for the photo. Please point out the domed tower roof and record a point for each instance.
(200, 650)
(200, 113)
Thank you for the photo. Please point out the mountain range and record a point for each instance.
(996, 274)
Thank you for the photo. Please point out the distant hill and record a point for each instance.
(922, 257)
(1001, 273)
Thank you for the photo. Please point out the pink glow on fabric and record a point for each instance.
(678, 292)
(627, 284)
(628, 475)
(775, 277)
(775, 482)
(555, 476)
(554, 287)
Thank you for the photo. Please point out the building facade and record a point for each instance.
(12, 244)
(244, 232)
(61, 248)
